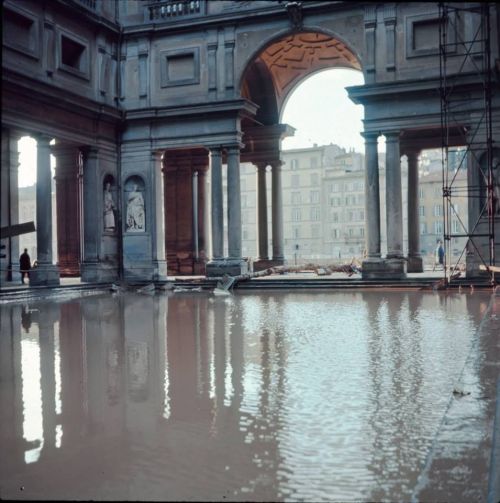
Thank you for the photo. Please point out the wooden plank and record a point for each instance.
(16, 230)
(493, 268)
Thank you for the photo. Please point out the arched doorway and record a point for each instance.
(269, 79)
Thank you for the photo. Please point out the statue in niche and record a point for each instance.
(135, 211)
(109, 207)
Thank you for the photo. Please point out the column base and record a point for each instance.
(97, 272)
(415, 264)
(45, 275)
(230, 266)
(378, 268)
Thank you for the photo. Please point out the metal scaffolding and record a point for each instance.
(465, 68)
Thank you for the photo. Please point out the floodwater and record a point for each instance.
(271, 396)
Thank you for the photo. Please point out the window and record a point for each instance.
(295, 181)
(420, 192)
(296, 233)
(336, 187)
(314, 196)
(455, 207)
(315, 231)
(72, 54)
(423, 228)
(315, 214)
(245, 234)
(294, 164)
(438, 191)
(314, 162)
(455, 226)
(421, 211)
(350, 216)
(438, 227)
(360, 199)
(362, 231)
(438, 210)
(335, 216)
(351, 232)
(361, 215)
(295, 197)
(244, 201)
(335, 233)
(314, 179)
(296, 216)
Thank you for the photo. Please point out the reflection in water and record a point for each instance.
(32, 397)
(297, 396)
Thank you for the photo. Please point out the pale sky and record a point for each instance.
(318, 108)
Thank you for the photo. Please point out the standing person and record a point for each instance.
(439, 255)
(24, 265)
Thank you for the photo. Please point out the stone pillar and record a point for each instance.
(217, 204)
(46, 273)
(233, 203)
(89, 269)
(159, 221)
(68, 201)
(9, 201)
(395, 263)
(373, 263)
(277, 216)
(262, 212)
(415, 263)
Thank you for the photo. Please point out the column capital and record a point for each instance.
(276, 164)
(89, 151)
(411, 151)
(232, 149)
(261, 166)
(392, 136)
(43, 140)
(215, 151)
(370, 136)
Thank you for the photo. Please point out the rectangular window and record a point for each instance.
(314, 179)
(294, 164)
(438, 210)
(72, 53)
(361, 215)
(351, 232)
(315, 214)
(314, 196)
(455, 226)
(420, 192)
(296, 215)
(423, 228)
(314, 162)
(335, 233)
(362, 231)
(296, 232)
(243, 201)
(438, 227)
(421, 211)
(334, 216)
(336, 187)
(295, 197)
(295, 181)
(315, 231)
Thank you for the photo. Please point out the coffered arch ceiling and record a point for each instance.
(289, 60)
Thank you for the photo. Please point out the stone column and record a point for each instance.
(158, 237)
(217, 204)
(262, 212)
(68, 217)
(46, 273)
(90, 266)
(395, 263)
(277, 210)
(233, 203)
(9, 201)
(415, 263)
(372, 197)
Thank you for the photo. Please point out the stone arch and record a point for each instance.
(286, 59)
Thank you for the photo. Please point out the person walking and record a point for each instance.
(24, 265)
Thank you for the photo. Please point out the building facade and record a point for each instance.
(146, 100)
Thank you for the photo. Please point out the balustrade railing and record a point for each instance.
(170, 9)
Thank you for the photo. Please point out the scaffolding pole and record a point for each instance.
(459, 58)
